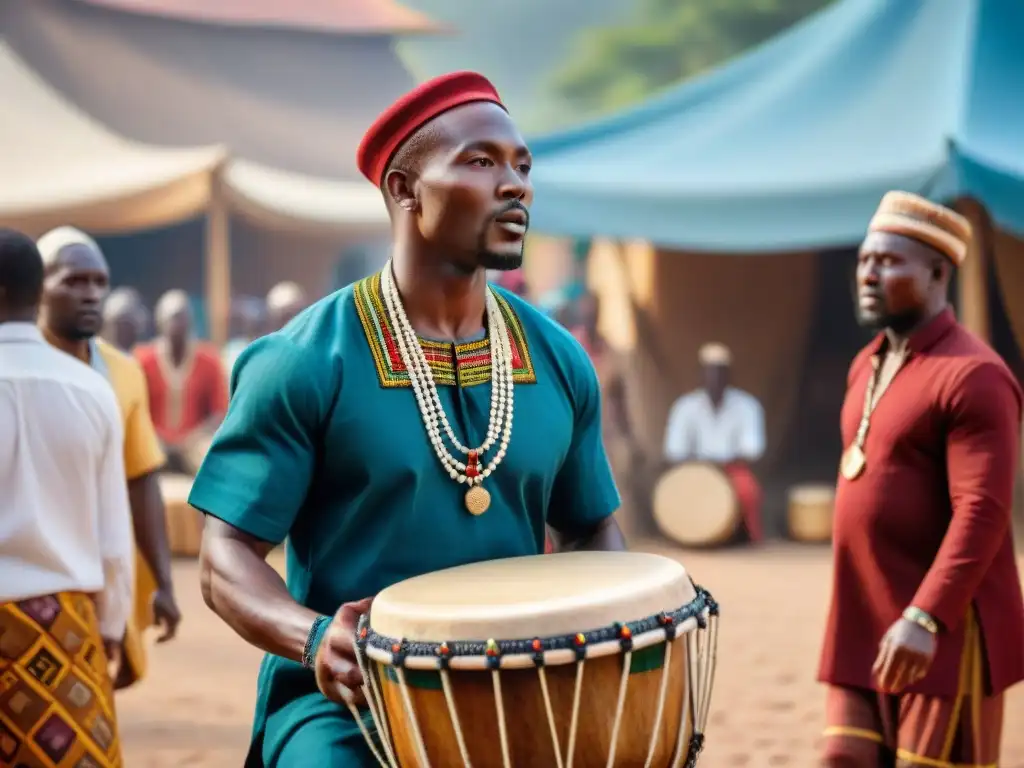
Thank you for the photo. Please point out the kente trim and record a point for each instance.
(474, 357)
(657, 628)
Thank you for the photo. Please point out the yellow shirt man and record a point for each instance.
(142, 455)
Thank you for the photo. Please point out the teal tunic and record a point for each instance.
(323, 445)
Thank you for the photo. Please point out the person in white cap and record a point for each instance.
(75, 304)
(724, 425)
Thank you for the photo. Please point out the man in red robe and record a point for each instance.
(188, 390)
(926, 628)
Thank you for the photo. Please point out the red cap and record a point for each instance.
(414, 110)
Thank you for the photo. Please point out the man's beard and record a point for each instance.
(883, 320)
(503, 262)
(73, 332)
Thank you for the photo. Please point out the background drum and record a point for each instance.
(810, 512)
(696, 505)
(184, 523)
(580, 659)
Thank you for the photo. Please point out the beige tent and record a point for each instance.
(290, 99)
(289, 92)
(288, 201)
(59, 166)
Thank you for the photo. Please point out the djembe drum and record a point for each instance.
(809, 512)
(696, 505)
(568, 660)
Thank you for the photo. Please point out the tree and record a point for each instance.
(613, 66)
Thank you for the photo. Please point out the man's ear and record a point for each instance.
(399, 186)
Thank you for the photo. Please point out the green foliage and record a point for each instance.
(610, 67)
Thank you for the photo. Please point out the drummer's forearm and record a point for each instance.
(606, 536)
(241, 587)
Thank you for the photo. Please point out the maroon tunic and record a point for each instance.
(928, 521)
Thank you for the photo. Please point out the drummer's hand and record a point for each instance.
(337, 672)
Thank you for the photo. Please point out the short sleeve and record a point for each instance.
(257, 472)
(142, 453)
(584, 491)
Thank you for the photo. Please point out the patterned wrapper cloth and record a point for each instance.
(56, 697)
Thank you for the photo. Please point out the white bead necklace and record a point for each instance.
(421, 377)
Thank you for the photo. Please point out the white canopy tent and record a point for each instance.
(59, 166)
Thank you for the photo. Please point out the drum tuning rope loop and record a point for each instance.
(494, 651)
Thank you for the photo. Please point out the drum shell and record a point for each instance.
(809, 513)
(683, 519)
(526, 717)
(184, 522)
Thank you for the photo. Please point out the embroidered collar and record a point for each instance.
(469, 365)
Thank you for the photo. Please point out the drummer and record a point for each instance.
(329, 441)
(724, 425)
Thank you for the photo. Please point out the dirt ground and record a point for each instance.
(195, 707)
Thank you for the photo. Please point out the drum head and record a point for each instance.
(818, 494)
(536, 596)
(695, 505)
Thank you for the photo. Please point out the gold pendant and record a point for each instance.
(478, 500)
(853, 462)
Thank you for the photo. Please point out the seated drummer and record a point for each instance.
(722, 425)
(339, 433)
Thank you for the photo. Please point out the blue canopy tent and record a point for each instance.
(787, 150)
(792, 145)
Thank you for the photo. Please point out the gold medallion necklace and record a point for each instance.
(854, 460)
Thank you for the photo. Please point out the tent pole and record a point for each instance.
(972, 281)
(218, 261)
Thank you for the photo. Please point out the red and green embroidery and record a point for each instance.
(474, 358)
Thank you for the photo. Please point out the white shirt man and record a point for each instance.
(698, 429)
(66, 524)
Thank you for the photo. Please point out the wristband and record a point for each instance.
(313, 640)
(922, 619)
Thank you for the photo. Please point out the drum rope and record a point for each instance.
(551, 716)
(449, 697)
(366, 733)
(374, 703)
(710, 663)
(499, 706)
(380, 718)
(410, 712)
(620, 706)
(678, 755)
(574, 720)
(659, 713)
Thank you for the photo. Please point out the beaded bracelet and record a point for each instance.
(922, 619)
(313, 640)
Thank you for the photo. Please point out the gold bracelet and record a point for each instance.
(922, 619)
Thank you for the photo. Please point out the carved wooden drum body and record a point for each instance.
(579, 659)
